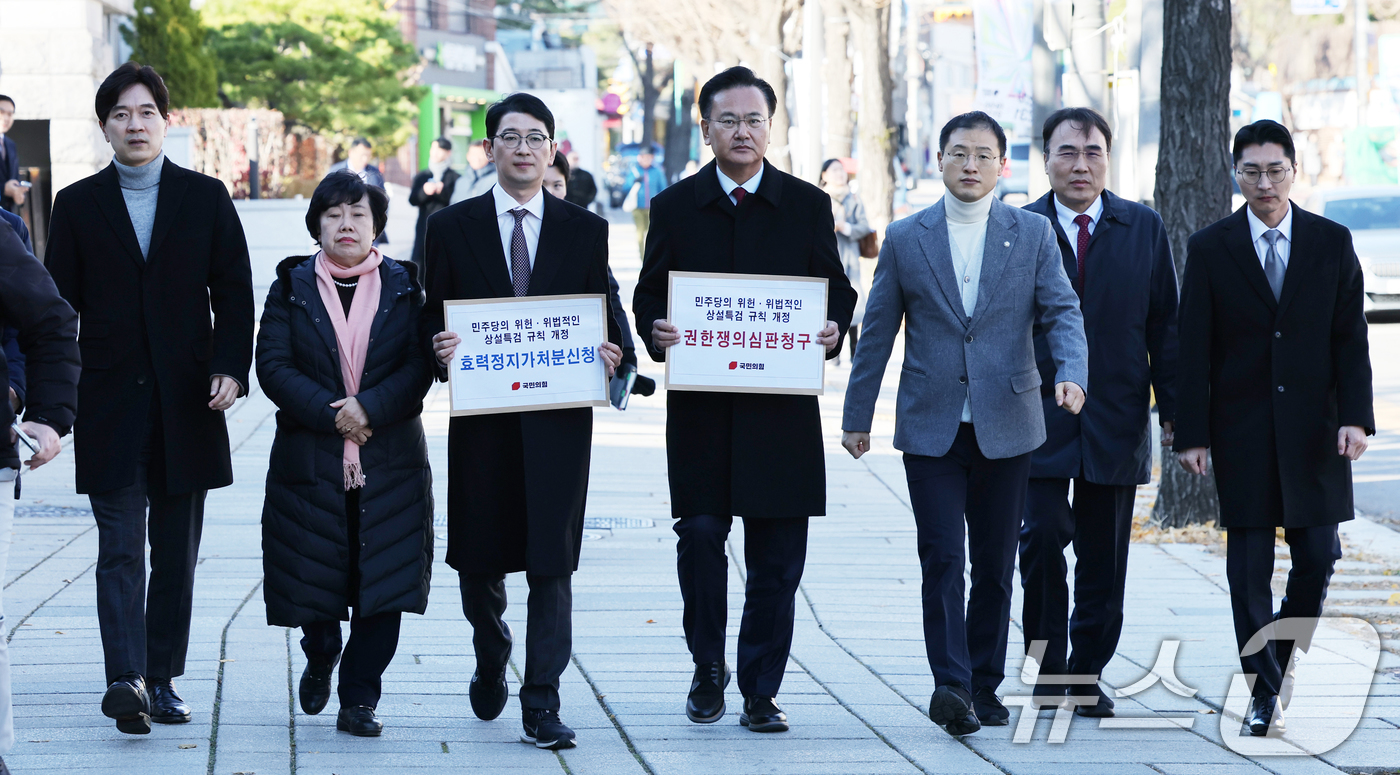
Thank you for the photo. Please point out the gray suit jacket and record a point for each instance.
(948, 357)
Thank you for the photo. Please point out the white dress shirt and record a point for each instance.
(530, 224)
(1261, 245)
(750, 185)
(1066, 217)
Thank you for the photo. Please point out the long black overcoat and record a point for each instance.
(1129, 306)
(1266, 384)
(306, 553)
(145, 324)
(517, 481)
(429, 204)
(742, 454)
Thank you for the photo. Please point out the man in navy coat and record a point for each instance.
(1116, 254)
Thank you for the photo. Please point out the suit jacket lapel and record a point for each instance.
(934, 242)
(482, 235)
(1299, 256)
(553, 248)
(1000, 241)
(168, 204)
(1241, 249)
(109, 200)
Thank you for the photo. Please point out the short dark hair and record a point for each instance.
(344, 187)
(828, 163)
(519, 102)
(361, 141)
(562, 164)
(128, 75)
(734, 78)
(972, 120)
(1079, 118)
(443, 143)
(7, 98)
(1261, 132)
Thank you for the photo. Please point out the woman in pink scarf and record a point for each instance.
(347, 521)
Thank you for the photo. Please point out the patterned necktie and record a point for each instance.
(1082, 221)
(519, 255)
(739, 194)
(1273, 263)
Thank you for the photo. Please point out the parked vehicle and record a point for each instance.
(1016, 176)
(1373, 215)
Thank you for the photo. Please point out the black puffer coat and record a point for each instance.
(306, 555)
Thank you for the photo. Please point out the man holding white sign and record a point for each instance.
(756, 455)
(517, 480)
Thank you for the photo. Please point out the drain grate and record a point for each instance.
(52, 511)
(617, 523)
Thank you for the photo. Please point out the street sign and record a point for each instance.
(1312, 7)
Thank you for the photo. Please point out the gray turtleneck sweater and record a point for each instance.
(140, 189)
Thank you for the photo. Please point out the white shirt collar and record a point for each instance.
(505, 203)
(1094, 212)
(750, 185)
(1258, 227)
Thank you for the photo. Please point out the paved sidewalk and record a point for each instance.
(856, 689)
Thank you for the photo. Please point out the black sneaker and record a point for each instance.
(990, 711)
(543, 729)
(950, 707)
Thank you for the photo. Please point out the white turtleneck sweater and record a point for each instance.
(967, 238)
(140, 190)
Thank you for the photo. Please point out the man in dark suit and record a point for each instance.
(517, 481)
(741, 214)
(1276, 383)
(11, 192)
(144, 251)
(1115, 252)
(358, 161)
(432, 191)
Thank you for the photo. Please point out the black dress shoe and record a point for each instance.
(126, 702)
(359, 721)
(1265, 718)
(990, 711)
(762, 714)
(1048, 695)
(488, 690)
(314, 691)
(705, 705)
(950, 707)
(543, 729)
(1102, 707)
(166, 705)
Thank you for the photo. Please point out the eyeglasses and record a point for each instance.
(983, 160)
(512, 140)
(1276, 174)
(730, 124)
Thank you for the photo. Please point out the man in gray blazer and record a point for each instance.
(968, 278)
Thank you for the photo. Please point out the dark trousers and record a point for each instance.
(1249, 567)
(549, 632)
(775, 552)
(153, 647)
(967, 647)
(1099, 523)
(373, 639)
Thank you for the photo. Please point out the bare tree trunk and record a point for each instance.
(870, 29)
(838, 74)
(1193, 182)
(650, 94)
(769, 65)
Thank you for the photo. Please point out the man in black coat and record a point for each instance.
(431, 191)
(756, 456)
(144, 251)
(1276, 383)
(517, 481)
(1116, 255)
(11, 192)
(47, 328)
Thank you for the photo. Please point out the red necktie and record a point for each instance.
(739, 194)
(1082, 221)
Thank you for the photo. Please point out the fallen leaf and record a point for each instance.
(58, 632)
(651, 621)
(188, 745)
(1394, 599)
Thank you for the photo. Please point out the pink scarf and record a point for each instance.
(352, 334)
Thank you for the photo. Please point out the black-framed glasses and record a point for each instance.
(730, 124)
(1276, 174)
(511, 140)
